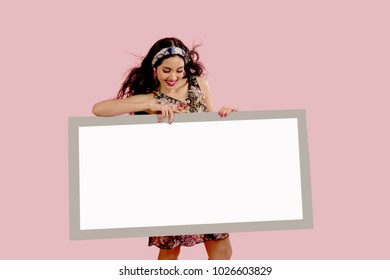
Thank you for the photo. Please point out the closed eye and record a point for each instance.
(167, 69)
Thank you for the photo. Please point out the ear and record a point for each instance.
(154, 73)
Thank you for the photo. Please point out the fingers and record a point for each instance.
(226, 110)
(168, 112)
(164, 113)
(171, 115)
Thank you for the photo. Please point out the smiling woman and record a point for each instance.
(170, 76)
(168, 81)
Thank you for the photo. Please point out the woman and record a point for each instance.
(168, 81)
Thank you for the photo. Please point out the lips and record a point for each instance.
(171, 83)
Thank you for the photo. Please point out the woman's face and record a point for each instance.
(170, 72)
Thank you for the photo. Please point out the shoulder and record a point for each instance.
(203, 85)
(201, 81)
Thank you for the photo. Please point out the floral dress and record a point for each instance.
(195, 102)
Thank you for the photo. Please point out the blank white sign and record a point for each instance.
(149, 176)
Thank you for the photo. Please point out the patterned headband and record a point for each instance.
(170, 51)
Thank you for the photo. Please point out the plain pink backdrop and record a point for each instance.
(329, 57)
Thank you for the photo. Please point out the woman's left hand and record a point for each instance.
(226, 110)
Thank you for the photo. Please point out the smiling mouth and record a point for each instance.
(171, 83)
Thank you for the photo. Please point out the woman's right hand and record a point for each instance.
(166, 111)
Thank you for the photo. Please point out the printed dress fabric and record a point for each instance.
(195, 102)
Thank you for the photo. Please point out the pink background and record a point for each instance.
(329, 57)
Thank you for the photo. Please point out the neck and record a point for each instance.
(167, 90)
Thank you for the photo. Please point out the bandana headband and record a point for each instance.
(170, 51)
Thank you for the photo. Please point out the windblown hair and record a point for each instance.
(140, 80)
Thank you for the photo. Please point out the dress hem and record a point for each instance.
(185, 245)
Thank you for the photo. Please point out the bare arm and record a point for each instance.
(115, 107)
(204, 87)
(136, 103)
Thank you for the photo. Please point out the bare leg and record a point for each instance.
(219, 249)
(169, 254)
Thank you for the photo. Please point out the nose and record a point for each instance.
(173, 76)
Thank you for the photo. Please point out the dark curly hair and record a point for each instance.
(140, 80)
